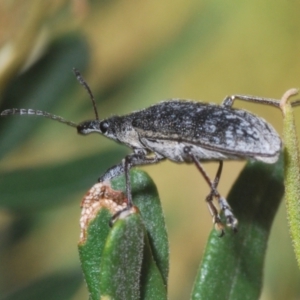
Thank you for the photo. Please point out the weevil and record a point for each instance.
(183, 131)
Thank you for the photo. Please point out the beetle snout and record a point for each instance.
(88, 127)
(81, 129)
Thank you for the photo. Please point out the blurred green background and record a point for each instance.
(132, 54)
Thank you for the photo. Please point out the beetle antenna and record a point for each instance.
(24, 111)
(86, 86)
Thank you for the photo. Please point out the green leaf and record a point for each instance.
(46, 186)
(146, 198)
(292, 177)
(90, 252)
(152, 282)
(58, 286)
(232, 266)
(122, 258)
(126, 268)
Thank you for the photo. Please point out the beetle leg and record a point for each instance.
(231, 220)
(132, 160)
(213, 193)
(224, 206)
(228, 101)
(112, 172)
(135, 160)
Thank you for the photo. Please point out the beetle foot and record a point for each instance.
(231, 220)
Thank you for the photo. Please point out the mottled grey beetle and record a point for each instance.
(184, 132)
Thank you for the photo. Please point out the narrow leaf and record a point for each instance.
(152, 282)
(58, 286)
(292, 175)
(122, 258)
(97, 208)
(146, 198)
(232, 266)
(48, 185)
(90, 252)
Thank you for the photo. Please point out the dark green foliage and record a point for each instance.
(232, 266)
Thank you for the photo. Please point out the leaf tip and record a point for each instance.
(100, 196)
(286, 96)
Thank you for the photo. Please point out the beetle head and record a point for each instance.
(98, 126)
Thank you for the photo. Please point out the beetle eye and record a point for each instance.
(103, 126)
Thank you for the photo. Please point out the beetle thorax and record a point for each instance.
(122, 131)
